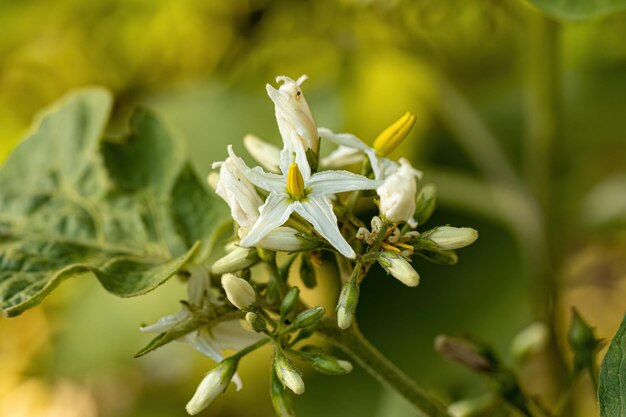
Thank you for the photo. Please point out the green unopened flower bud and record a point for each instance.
(397, 265)
(529, 341)
(281, 400)
(236, 260)
(307, 273)
(238, 291)
(425, 204)
(583, 342)
(288, 373)
(325, 363)
(346, 306)
(213, 384)
(289, 302)
(447, 237)
(256, 322)
(308, 317)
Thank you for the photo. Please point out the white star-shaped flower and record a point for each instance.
(298, 190)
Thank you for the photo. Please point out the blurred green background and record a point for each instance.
(203, 65)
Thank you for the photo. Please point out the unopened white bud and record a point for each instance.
(236, 260)
(288, 374)
(346, 306)
(286, 239)
(238, 291)
(399, 267)
(448, 237)
(213, 384)
(529, 341)
(397, 194)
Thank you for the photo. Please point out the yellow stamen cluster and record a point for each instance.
(391, 137)
(396, 247)
(295, 182)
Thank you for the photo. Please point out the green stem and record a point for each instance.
(252, 347)
(354, 344)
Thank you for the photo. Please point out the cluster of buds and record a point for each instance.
(296, 206)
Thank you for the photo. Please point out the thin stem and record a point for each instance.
(354, 344)
(252, 347)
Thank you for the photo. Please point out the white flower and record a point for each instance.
(295, 121)
(208, 341)
(244, 202)
(296, 190)
(398, 193)
(212, 385)
(238, 291)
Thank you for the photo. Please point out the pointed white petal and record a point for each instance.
(260, 178)
(332, 182)
(231, 335)
(274, 213)
(198, 284)
(265, 153)
(294, 152)
(166, 323)
(318, 211)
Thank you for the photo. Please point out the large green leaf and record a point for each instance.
(127, 211)
(612, 386)
(579, 9)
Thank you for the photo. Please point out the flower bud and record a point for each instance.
(397, 194)
(266, 154)
(236, 260)
(213, 384)
(346, 306)
(468, 354)
(397, 265)
(529, 341)
(583, 342)
(425, 203)
(447, 237)
(391, 137)
(288, 373)
(238, 291)
(286, 239)
(325, 363)
(255, 321)
(281, 400)
(308, 317)
(289, 302)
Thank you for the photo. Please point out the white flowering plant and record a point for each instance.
(131, 212)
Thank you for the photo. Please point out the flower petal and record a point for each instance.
(332, 182)
(198, 284)
(318, 211)
(274, 213)
(166, 323)
(342, 156)
(265, 153)
(260, 178)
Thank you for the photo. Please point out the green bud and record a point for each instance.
(281, 400)
(288, 373)
(325, 363)
(212, 385)
(399, 268)
(256, 322)
(346, 306)
(236, 260)
(308, 317)
(583, 342)
(307, 273)
(426, 202)
(289, 302)
(447, 237)
(469, 354)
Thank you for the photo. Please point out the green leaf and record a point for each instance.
(612, 386)
(128, 212)
(579, 9)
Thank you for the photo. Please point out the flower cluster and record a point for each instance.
(298, 205)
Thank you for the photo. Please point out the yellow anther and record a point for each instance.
(405, 246)
(295, 182)
(391, 137)
(392, 248)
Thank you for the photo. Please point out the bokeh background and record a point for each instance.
(466, 68)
